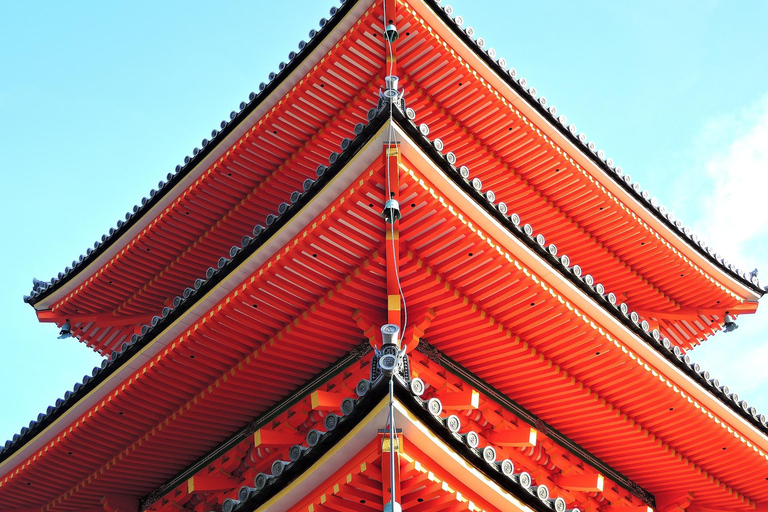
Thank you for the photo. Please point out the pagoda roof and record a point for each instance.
(425, 434)
(654, 217)
(285, 226)
(640, 373)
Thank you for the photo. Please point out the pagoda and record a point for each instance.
(394, 279)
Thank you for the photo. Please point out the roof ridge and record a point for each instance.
(598, 156)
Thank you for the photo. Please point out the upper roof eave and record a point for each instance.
(46, 293)
(586, 154)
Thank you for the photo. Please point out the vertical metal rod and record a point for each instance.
(392, 442)
(394, 289)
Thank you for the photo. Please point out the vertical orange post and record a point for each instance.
(391, 161)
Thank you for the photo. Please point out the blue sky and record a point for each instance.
(100, 100)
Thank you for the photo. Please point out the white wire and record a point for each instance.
(390, 136)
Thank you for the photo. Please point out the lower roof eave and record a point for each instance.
(490, 226)
(414, 431)
(156, 342)
(370, 150)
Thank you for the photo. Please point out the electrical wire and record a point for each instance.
(390, 137)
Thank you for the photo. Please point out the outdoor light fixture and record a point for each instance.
(390, 94)
(391, 211)
(391, 81)
(391, 33)
(730, 323)
(389, 359)
(66, 330)
(389, 334)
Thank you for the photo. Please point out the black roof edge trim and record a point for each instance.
(541, 110)
(186, 169)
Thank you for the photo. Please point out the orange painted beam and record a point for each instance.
(339, 504)
(206, 483)
(673, 501)
(326, 400)
(267, 437)
(454, 400)
(366, 325)
(119, 503)
(519, 438)
(419, 328)
(617, 508)
(101, 319)
(588, 482)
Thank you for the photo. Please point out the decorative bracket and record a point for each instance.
(674, 501)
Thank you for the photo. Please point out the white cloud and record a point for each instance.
(734, 151)
(731, 214)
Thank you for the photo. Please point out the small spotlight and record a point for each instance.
(389, 334)
(389, 357)
(391, 33)
(66, 330)
(391, 211)
(730, 323)
(391, 82)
